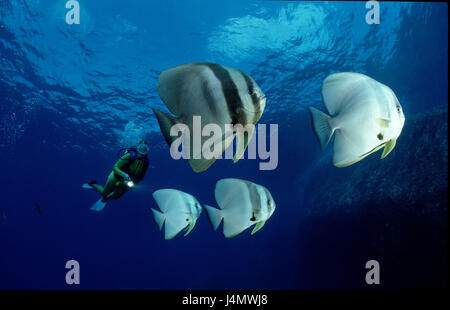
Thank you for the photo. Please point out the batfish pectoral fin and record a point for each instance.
(189, 228)
(258, 226)
(388, 147)
(243, 138)
(383, 123)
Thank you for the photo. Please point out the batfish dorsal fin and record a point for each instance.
(165, 198)
(231, 192)
(174, 82)
(336, 86)
(165, 122)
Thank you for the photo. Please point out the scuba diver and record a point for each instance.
(128, 171)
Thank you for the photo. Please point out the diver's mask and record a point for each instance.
(142, 148)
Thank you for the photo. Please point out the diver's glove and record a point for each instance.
(126, 177)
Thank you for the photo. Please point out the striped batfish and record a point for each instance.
(242, 204)
(365, 117)
(219, 95)
(179, 211)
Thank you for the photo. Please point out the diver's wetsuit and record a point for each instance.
(115, 186)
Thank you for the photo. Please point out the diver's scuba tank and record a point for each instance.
(125, 151)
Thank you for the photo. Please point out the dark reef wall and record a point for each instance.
(393, 210)
(414, 174)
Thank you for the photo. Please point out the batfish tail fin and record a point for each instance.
(215, 216)
(159, 218)
(321, 126)
(165, 122)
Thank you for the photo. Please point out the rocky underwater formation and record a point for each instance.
(393, 210)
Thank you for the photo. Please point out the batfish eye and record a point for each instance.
(398, 109)
(187, 220)
(250, 92)
(252, 219)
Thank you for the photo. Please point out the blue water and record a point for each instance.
(72, 95)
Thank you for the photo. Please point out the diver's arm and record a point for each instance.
(120, 164)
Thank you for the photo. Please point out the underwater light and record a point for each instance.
(130, 183)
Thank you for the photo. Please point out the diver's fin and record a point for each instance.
(165, 122)
(159, 218)
(321, 126)
(388, 147)
(87, 186)
(99, 205)
(214, 215)
(243, 138)
(258, 226)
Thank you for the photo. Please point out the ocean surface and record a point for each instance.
(73, 95)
